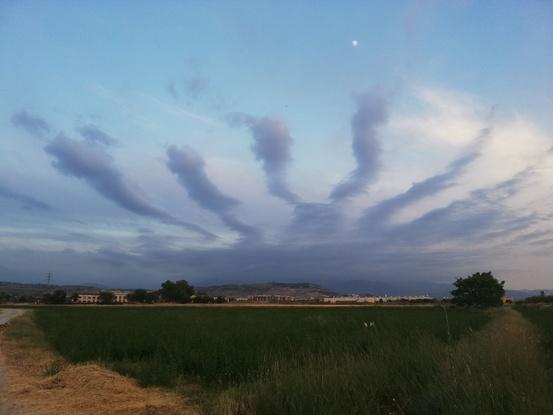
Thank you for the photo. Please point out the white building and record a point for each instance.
(88, 297)
(93, 297)
(120, 297)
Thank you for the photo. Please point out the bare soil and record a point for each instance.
(39, 382)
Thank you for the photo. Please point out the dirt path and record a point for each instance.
(38, 382)
(5, 316)
(497, 370)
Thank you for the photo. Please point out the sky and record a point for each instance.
(245, 141)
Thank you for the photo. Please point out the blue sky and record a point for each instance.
(254, 140)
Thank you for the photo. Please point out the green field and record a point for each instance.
(358, 360)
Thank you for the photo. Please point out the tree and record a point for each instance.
(142, 296)
(481, 289)
(106, 297)
(5, 297)
(176, 292)
(56, 297)
(75, 297)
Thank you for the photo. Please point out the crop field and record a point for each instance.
(358, 360)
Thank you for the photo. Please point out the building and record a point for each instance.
(93, 297)
(88, 297)
(370, 299)
(120, 297)
(507, 300)
(264, 298)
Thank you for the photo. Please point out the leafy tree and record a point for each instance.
(142, 296)
(480, 289)
(176, 292)
(56, 297)
(106, 297)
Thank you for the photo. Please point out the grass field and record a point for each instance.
(358, 360)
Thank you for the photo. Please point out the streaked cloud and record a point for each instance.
(91, 163)
(272, 144)
(93, 133)
(189, 167)
(371, 113)
(26, 201)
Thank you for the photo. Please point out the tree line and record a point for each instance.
(179, 292)
(480, 289)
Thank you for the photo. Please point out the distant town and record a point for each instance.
(122, 297)
(180, 292)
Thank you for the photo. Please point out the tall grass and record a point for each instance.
(317, 360)
(542, 317)
(221, 346)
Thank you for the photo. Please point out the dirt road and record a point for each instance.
(6, 314)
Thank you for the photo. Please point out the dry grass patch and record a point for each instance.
(39, 382)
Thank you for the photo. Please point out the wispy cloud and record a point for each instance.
(169, 108)
(32, 124)
(380, 214)
(189, 167)
(272, 144)
(93, 133)
(91, 163)
(371, 113)
(27, 201)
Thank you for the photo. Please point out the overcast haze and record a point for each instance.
(276, 141)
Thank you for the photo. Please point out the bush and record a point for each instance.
(106, 297)
(142, 296)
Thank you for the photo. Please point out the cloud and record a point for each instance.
(378, 215)
(315, 220)
(32, 124)
(196, 86)
(271, 145)
(189, 167)
(371, 113)
(90, 162)
(493, 199)
(28, 202)
(172, 90)
(92, 133)
(444, 118)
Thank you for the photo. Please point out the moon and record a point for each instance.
(354, 43)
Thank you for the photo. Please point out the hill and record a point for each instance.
(19, 289)
(303, 290)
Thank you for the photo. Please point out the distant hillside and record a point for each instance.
(388, 288)
(298, 290)
(434, 289)
(36, 290)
